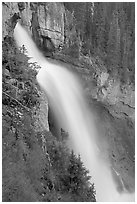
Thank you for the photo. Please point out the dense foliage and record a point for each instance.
(36, 166)
(107, 30)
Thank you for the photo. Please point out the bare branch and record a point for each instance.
(16, 101)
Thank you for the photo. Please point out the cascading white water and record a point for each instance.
(66, 97)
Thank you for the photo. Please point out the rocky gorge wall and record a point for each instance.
(48, 23)
(39, 19)
(42, 21)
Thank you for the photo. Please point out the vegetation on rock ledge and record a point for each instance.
(36, 166)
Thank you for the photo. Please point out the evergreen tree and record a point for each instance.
(35, 164)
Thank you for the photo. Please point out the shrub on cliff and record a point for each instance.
(36, 167)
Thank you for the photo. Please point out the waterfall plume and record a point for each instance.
(67, 99)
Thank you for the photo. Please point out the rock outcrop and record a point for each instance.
(40, 19)
(50, 25)
(45, 23)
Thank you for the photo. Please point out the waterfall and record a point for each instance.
(67, 99)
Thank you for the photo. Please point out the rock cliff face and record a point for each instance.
(45, 23)
(49, 25)
(40, 19)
